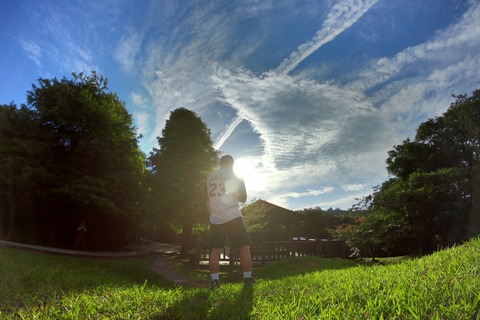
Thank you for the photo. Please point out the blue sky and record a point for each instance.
(307, 96)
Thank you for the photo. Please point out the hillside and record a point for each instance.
(443, 285)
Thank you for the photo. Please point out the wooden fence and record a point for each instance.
(267, 251)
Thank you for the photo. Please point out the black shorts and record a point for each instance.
(234, 229)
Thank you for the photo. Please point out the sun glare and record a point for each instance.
(250, 170)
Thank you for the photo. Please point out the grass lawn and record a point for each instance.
(444, 285)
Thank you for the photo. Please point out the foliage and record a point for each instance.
(432, 200)
(440, 286)
(93, 146)
(75, 155)
(267, 221)
(179, 168)
(316, 222)
(254, 216)
(373, 237)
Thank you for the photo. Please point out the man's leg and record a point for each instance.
(239, 239)
(245, 258)
(214, 261)
(214, 266)
(246, 264)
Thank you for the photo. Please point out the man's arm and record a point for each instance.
(242, 192)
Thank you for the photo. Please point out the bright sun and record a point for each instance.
(249, 170)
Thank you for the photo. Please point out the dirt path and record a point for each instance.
(161, 264)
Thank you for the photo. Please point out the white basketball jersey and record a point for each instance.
(222, 188)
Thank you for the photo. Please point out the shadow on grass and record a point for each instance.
(276, 270)
(299, 266)
(228, 273)
(224, 303)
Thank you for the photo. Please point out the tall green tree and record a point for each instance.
(447, 147)
(457, 133)
(433, 198)
(179, 168)
(95, 169)
(430, 209)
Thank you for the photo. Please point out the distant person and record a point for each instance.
(81, 230)
(222, 194)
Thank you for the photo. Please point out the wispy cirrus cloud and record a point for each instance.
(298, 114)
(315, 132)
(342, 16)
(127, 50)
(67, 47)
(310, 192)
(353, 187)
(312, 133)
(453, 45)
(33, 50)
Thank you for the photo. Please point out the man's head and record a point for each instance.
(226, 162)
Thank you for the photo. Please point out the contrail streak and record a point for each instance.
(228, 132)
(342, 16)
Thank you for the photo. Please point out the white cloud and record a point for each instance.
(344, 202)
(127, 49)
(143, 122)
(308, 193)
(309, 130)
(139, 100)
(143, 117)
(353, 187)
(32, 50)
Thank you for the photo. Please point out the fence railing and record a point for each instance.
(267, 251)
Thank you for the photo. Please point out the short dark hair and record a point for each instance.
(226, 161)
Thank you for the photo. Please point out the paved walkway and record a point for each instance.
(143, 248)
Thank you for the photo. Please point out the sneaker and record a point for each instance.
(249, 281)
(215, 283)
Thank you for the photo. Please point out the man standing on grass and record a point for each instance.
(223, 191)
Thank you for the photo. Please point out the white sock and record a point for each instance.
(214, 276)
(247, 274)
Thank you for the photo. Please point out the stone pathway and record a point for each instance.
(161, 264)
